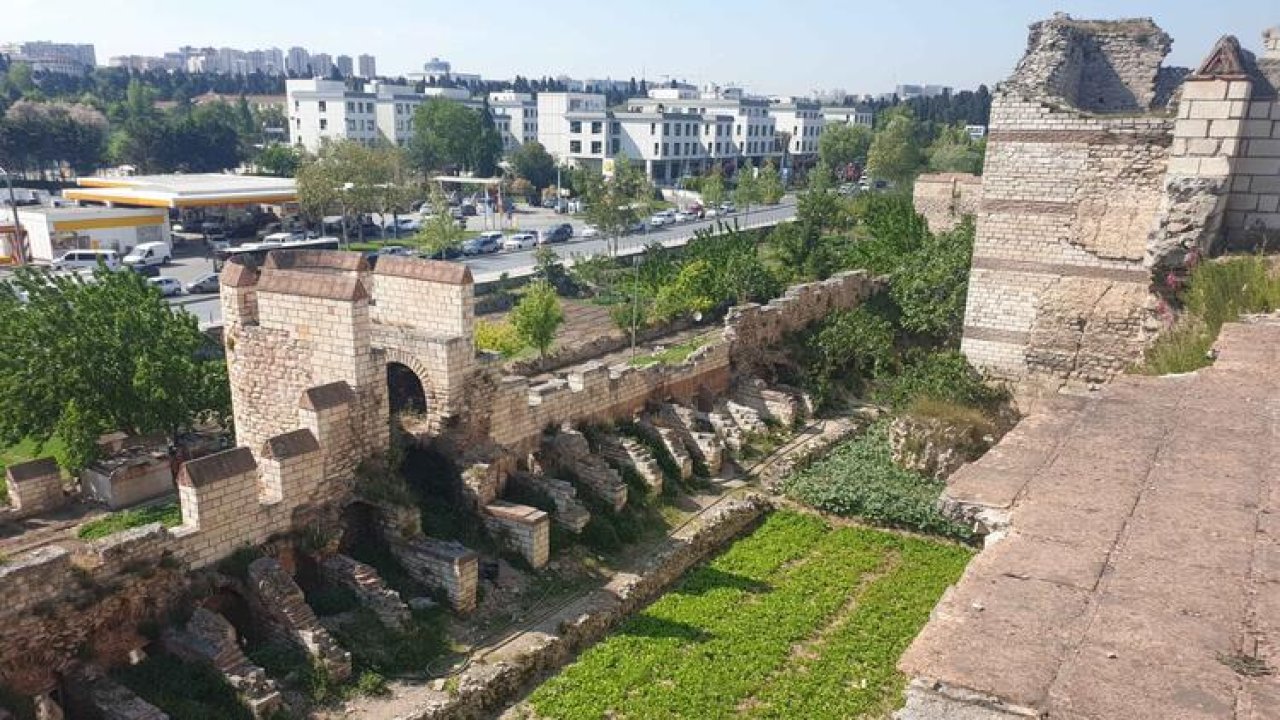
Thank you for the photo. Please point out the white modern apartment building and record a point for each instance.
(801, 121)
(848, 116)
(321, 109)
(516, 117)
(51, 57)
(574, 128)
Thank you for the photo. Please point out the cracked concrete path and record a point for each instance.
(1135, 568)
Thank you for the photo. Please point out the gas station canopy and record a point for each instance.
(184, 191)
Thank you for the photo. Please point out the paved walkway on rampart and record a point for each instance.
(1140, 577)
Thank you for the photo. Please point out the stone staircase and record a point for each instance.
(208, 638)
(369, 586)
(570, 513)
(626, 452)
(288, 610)
(673, 443)
(568, 450)
(696, 432)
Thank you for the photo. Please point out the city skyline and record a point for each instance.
(825, 44)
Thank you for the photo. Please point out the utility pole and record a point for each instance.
(635, 301)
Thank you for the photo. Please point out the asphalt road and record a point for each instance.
(487, 268)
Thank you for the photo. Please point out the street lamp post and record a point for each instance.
(17, 226)
(635, 301)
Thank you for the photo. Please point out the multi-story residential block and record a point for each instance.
(298, 61)
(345, 66)
(321, 65)
(848, 116)
(51, 57)
(516, 117)
(325, 110)
(368, 67)
(573, 127)
(800, 121)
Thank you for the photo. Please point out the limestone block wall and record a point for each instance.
(1255, 186)
(523, 529)
(944, 198)
(54, 605)
(34, 487)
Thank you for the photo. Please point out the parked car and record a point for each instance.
(86, 260)
(711, 212)
(168, 286)
(638, 226)
(683, 216)
(147, 271)
(590, 231)
(149, 253)
(695, 209)
(519, 241)
(207, 283)
(402, 225)
(558, 234)
(449, 253)
(395, 250)
(485, 242)
(468, 209)
(658, 220)
(728, 208)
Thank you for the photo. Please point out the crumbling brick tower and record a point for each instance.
(312, 321)
(1097, 187)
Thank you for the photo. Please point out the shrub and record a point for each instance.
(499, 337)
(846, 350)
(1216, 293)
(168, 514)
(859, 478)
(943, 376)
(181, 690)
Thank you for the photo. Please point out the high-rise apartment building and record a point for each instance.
(368, 67)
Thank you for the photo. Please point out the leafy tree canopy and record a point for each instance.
(538, 316)
(86, 357)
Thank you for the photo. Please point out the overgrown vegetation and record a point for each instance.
(182, 690)
(859, 479)
(673, 355)
(1215, 293)
(795, 620)
(167, 514)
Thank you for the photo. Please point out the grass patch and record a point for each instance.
(724, 641)
(168, 514)
(377, 649)
(1216, 293)
(182, 690)
(860, 479)
(673, 355)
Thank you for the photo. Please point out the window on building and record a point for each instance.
(575, 146)
(677, 129)
(351, 107)
(664, 149)
(596, 147)
(615, 127)
(739, 131)
(653, 128)
(615, 146)
(575, 126)
(655, 148)
(323, 106)
(324, 124)
(666, 128)
(296, 105)
(597, 127)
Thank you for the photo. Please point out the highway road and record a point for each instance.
(487, 268)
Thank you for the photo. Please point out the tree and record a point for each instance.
(843, 144)
(691, 291)
(345, 176)
(894, 153)
(769, 185)
(615, 204)
(440, 232)
(447, 133)
(83, 358)
(279, 159)
(538, 316)
(533, 163)
(955, 151)
(712, 190)
(748, 190)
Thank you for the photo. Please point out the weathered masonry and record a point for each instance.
(1105, 172)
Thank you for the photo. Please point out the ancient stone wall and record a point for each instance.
(1088, 200)
(944, 198)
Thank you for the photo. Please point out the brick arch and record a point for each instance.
(395, 355)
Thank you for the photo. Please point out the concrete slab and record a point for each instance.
(1139, 574)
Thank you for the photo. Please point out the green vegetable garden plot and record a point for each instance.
(795, 620)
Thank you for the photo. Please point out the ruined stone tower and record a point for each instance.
(1104, 172)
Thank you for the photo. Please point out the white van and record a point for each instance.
(86, 260)
(149, 253)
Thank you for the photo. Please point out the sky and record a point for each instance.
(768, 46)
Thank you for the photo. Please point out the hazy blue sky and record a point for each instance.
(772, 46)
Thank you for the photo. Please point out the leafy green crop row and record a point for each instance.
(859, 478)
(722, 643)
